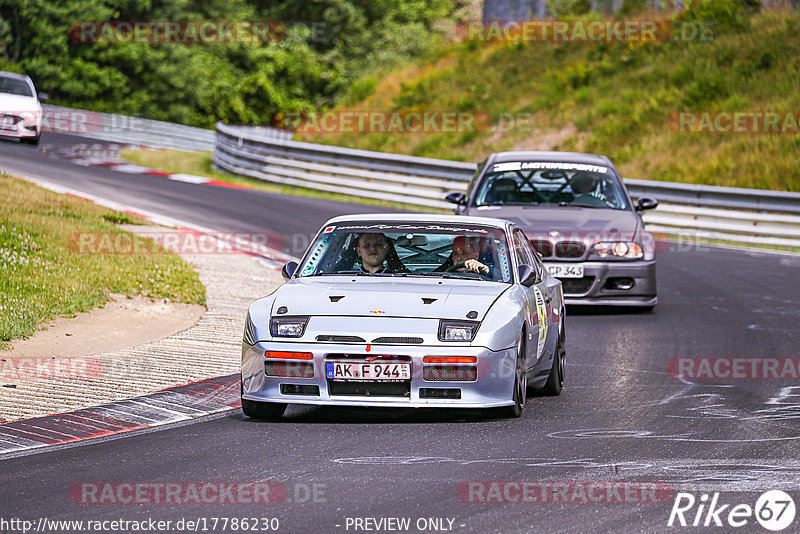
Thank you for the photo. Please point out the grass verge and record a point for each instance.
(44, 278)
(200, 164)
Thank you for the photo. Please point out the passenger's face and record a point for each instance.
(462, 251)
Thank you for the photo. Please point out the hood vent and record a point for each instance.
(428, 300)
(341, 339)
(336, 298)
(398, 340)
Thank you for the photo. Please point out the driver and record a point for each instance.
(465, 251)
(373, 250)
(583, 190)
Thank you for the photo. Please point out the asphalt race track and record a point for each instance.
(622, 418)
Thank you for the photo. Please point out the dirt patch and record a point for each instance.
(123, 322)
(546, 139)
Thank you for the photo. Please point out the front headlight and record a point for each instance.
(627, 250)
(457, 330)
(290, 326)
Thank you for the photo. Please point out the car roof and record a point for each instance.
(15, 76)
(420, 218)
(547, 155)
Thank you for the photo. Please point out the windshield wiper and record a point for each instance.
(460, 276)
(580, 205)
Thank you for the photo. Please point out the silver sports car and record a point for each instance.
(407, 311)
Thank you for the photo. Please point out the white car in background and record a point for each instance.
(20, 110)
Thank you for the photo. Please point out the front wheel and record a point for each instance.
(261, 410)
(520, 384)
(32, 140)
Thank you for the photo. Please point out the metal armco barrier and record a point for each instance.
(124, 129)
(751, 216)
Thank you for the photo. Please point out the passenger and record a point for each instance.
(466, 252)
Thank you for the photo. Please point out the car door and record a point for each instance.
(534, 300)
(544, 300)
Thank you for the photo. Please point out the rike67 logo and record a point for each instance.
(774, 510)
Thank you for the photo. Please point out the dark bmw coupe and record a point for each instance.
(579, 217)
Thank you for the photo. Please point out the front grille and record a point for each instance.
(399, 340)
(543, 246)
(450, 373)
(576, 286)
(371, 389)
(289, 369)
(569, 249)
(341, 339)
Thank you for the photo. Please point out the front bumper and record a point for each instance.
(596, 286)
(19, 132)
(492, 388)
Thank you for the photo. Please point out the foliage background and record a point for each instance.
(198, 84)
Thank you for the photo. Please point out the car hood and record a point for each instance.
(11, 103)
(387, 297)
(567, 221)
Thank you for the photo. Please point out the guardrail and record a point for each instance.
(125, 129)
(734, 214)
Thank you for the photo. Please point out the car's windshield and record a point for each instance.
(14, 86)
(549, 183)
(410, 249)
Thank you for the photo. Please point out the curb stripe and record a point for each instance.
(207, 397)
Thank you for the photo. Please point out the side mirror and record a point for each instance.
(289, 269)
(457, 198)
(43, 97)
(527, 275)
(646, 203)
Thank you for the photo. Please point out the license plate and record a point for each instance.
(367, 371)
(565, 270)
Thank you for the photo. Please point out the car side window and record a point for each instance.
(532, 257)
(522, 249)
(474, 180)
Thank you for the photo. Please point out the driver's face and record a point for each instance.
(372, 249)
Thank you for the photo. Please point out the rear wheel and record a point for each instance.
(555, 380)
(261, 410)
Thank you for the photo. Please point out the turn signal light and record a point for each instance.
(449, 359)
(289, 355)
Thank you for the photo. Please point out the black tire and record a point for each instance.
(520, 384)
(32, 141)
(261, 410)
(555, 380)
